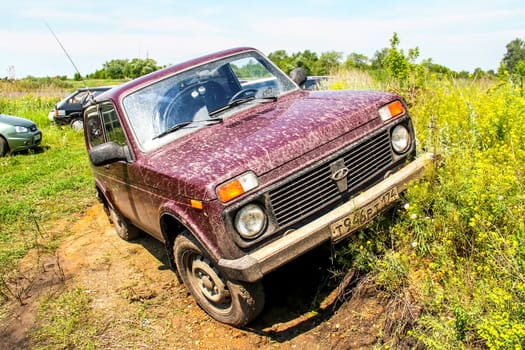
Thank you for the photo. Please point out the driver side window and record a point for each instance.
(112, 126)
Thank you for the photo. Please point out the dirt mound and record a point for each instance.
(138, 300)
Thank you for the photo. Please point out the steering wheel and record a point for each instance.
(244, 93)
(182, 107)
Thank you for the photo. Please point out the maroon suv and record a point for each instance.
(239, 171)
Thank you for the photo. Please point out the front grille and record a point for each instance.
(314, 189)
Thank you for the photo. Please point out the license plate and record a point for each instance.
(349, 223)
(37, 137)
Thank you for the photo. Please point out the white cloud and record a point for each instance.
(460, 34)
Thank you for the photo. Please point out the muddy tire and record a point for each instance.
(124, 229)
(231, 302)
(4, 149)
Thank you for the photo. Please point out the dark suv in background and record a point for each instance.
(69, 110)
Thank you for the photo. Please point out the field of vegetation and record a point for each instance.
(452, 259)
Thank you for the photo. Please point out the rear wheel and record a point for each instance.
(123, 227)
(4, 149)
(231, 302)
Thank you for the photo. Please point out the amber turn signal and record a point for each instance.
(392, 110)
(236, 187)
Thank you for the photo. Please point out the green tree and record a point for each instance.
(432, 67)
(124, 68)
(99, 74)
(479, 73)
(397, 64)
(328, 61)
(519, 72)
(139, 67)
(515, 53)
(378, 60)
(307, 60)
(115, 69)
(356, 60)
(282, 60)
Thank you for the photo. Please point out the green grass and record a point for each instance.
(67, 323)
(40, 187)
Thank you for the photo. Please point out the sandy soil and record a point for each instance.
(141, 304)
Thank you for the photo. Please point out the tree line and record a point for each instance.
(123, 69)
(394, 61)
(389, 62)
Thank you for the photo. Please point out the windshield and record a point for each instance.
(202, 93)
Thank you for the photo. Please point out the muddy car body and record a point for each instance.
(239, 171)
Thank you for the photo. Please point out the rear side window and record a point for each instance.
(103, 125)
(94, 127)
(112, 124)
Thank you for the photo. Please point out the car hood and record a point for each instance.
(262, 139)
(15, 121)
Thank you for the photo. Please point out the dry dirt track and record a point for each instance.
(142, 305)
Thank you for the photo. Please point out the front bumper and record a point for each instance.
(252, 267)
(24, 141)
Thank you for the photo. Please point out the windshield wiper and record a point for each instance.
(181, 125)
(241, 101)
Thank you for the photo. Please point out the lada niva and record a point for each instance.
(238, 171)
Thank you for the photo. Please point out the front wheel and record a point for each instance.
(232, 302)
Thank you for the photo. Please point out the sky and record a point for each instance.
(462, 35)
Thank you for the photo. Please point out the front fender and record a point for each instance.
(204, 225)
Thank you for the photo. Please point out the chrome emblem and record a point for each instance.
(339, 174)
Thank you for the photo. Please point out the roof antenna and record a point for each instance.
(90, 95)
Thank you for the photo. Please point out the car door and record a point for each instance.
(103, 125)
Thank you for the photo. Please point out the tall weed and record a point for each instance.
(457, 247)
(474, 228)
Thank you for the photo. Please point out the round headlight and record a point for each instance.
(250, 221)
(400, 139)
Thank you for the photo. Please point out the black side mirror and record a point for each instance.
(299, 76)
(108, 153)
